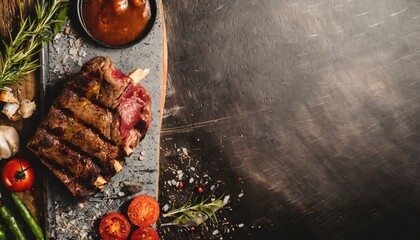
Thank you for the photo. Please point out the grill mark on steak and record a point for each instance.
(84, 139)
(50, 149)
(73, 183)
(107, 123)
(84, 110)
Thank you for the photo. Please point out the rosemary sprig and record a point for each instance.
(19, 55)
(194, 213)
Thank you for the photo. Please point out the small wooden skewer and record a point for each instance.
(138, 74)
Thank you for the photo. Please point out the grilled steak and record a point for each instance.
(99, 118)
(70, 130)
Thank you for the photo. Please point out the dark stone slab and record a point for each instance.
(67, 218)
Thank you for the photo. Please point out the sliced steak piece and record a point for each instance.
(69, 130)
(125, 132)
(84, 110)
(75, 165)
(100, 82)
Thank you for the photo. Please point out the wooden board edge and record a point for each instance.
(163, 82)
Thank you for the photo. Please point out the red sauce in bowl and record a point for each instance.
(116, 22)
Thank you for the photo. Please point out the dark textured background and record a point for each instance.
(309, 107)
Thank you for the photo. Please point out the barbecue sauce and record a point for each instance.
(116, 22)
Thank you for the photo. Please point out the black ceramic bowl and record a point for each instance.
(153, 12)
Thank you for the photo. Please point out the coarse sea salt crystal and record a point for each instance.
(180, 176)
(191, 180)
(241, 225)
(241, 195)
(73, 52)
(185, 151)
(226, 199)
(165, 208)
(215, 232)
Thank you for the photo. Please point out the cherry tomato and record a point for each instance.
(114, 226)
(143, 211)
(146, 233)
(18, 175)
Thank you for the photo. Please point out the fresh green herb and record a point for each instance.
(194, 213)
(62, 18)
(19, 55)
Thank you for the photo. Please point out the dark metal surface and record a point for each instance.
(310, 107)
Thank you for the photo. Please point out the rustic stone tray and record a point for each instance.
(65, 217)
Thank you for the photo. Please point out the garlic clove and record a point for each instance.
(4, 147)
(11, 111)
(12, 138)
(27, 108)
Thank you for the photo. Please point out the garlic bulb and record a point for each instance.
(9, 142)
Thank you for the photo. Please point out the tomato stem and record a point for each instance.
(21, 175)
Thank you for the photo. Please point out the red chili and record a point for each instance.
(181, 184)
(191, 229)
(200, 190)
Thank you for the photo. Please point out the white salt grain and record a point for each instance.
(180, 176)
(185, 151)
(165, 208)
(226, 199)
